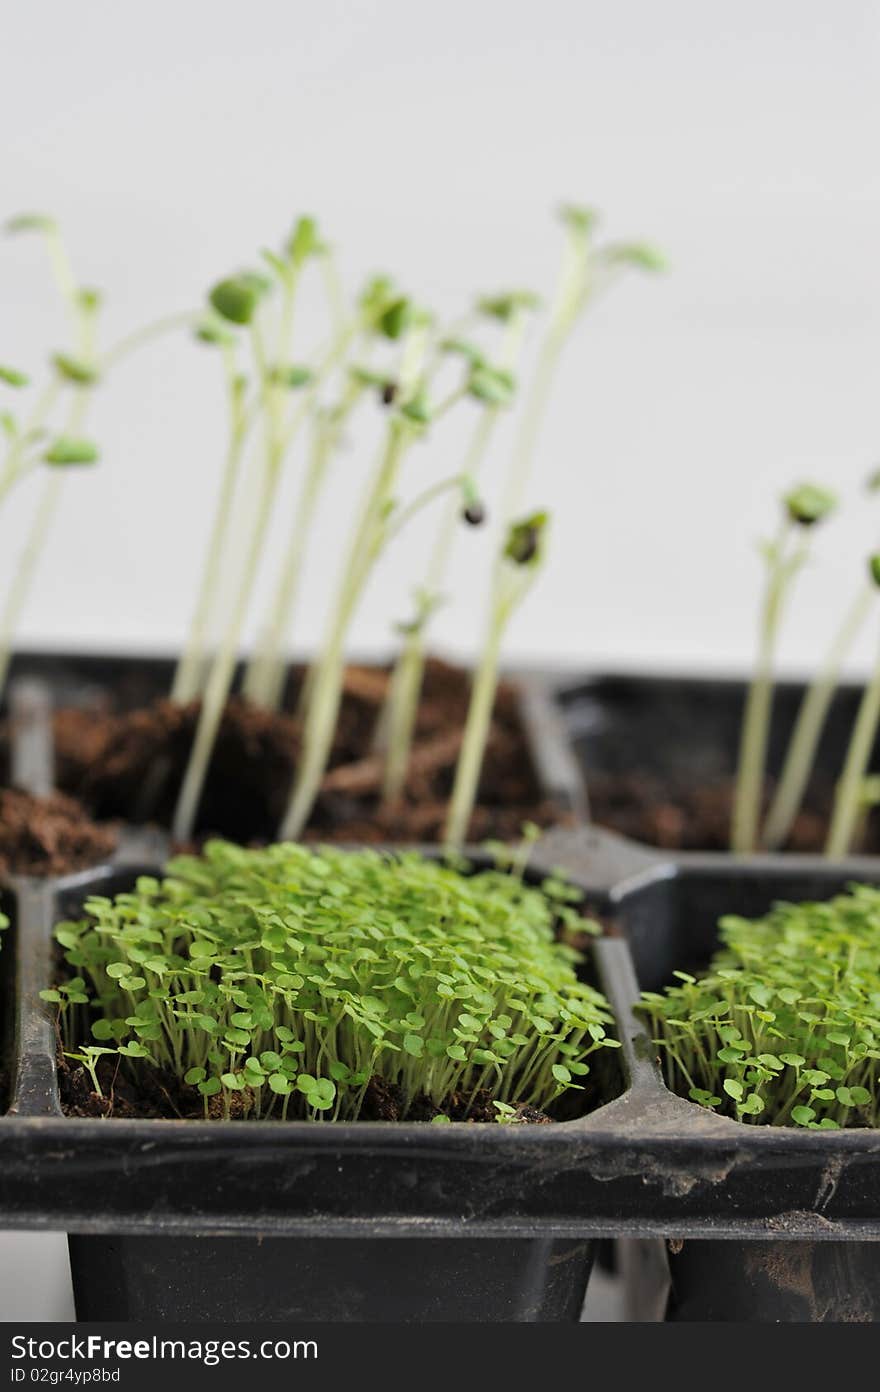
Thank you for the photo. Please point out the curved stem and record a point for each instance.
(756, 718)
(24, 575)
(264, 679)
(135, 340)
(848, 799)
(325, 685)
(476, 730)
(810, 723)
(222, 670)
(396, 725)
(188, 677)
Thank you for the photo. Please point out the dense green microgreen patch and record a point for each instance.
(784, 1027)
(284, 979)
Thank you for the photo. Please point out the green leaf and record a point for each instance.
(13, 378)
(802, 1116)
(66, 450)
(492, 385)
(304, 241)
(524, 540)
(395, 318)
(30, 222)
(75, 369)
(236, 299)
(808, 504)
(733, 1088)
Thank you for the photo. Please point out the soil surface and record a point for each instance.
(696, 817)
(157, 1095)
(49, 836)
(130, 764)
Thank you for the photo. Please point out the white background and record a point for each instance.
(172, 140)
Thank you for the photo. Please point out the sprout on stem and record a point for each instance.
(522, 555)
(238, 300)
(586, 272)
(802, 509)
(801, 753)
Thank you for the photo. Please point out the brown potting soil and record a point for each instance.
(50, 835)
(130, 764)
(158, 1095)
(677, 816)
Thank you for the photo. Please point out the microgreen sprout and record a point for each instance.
(783, 1027)
(849, 799)
(493, 388)
(801, 752)
(377, 521)
(289, 977)
(521, 559)
(31, 443)
(802, 508)
(243, 301)
(587, 271)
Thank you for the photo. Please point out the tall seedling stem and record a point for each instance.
(265, 675)
(237, 300)
(397, 722)
(810, 723)
(585, 272)
(324, 682)
(848, 802)
(802, 509)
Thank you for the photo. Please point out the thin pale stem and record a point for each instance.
(325, 686)
(189, 676)
(264, 678)
(756, 719)
(131, 342)
(810, 723)
(476, 730)
(847, 803)
(24, 575)
(223, 669)
(396, 726)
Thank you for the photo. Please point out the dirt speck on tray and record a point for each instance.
(51, 835)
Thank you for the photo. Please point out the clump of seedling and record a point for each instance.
(389, 347)
(784, 1027)
(281, 981)
(802, 510)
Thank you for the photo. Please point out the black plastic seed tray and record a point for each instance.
(643, 1162)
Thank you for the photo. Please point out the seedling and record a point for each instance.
(849, 800)
(376, 523)
(288, 978)
(782, 1029)
(802, 509)
(493, 388)
(587, 271)
(801, 753)
(37, 441)
(243, 302)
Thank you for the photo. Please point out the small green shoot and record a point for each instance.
(802, 509)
